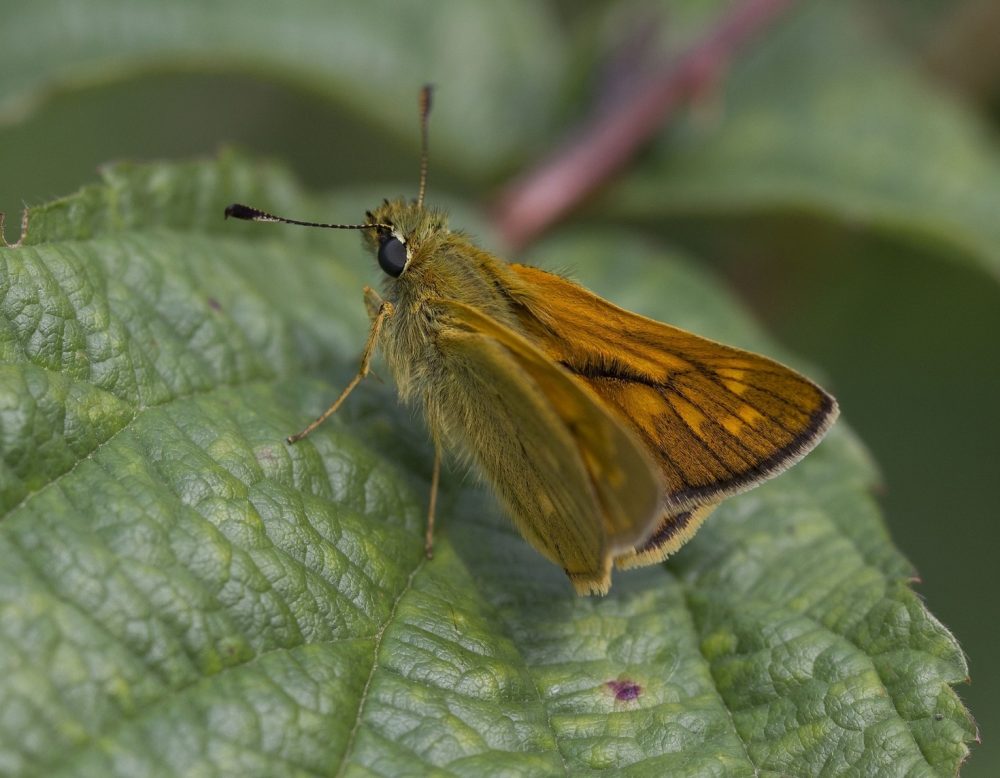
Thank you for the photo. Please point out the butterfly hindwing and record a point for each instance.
(672, 532)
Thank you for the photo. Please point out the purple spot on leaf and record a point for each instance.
(214, 304)
(625, 690)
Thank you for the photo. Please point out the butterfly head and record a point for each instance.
(400, 232)
(403, 232)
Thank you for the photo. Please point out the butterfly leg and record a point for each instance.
(373, 302)
(435, 480)
(385, 310)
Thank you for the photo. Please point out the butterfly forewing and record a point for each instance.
(716, 419)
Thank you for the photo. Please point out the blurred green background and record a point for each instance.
(844, 176)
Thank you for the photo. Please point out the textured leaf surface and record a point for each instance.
(182, 593)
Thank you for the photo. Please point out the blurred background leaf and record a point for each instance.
(843, 176)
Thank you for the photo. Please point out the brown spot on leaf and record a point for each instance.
(625, 690)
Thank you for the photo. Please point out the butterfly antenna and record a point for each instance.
(238, 211)
(425, 111)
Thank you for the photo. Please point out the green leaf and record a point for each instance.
(182, 593)
(825, 128)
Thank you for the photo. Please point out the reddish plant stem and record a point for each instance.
(531, 203)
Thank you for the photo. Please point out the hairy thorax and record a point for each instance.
(414, 342)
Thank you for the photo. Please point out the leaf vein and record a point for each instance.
(371, 674)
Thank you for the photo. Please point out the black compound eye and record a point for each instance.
(392, 256)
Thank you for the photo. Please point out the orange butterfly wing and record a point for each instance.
(717, 420)
(583, 492)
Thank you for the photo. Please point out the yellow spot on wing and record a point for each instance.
(747, 415)
(732, 379)
(733, 425)
(691, 415)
